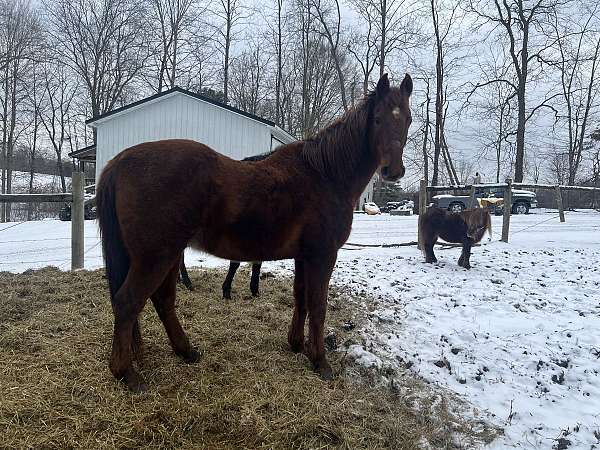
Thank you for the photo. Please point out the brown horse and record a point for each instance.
(467, 228)
(156, 198)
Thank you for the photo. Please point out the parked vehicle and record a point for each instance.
(89, 210)
(371, 208)
(389, 206)
(522, 201)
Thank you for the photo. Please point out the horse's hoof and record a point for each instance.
(192, 357)
(255, 294)
(135, 382)
(324, 371)
(226, 295)
(296, 347)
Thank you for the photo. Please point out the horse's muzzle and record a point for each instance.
(388, 175)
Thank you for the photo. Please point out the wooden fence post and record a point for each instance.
(559, 203)
(422, 209)
(507, 209)
(472, 199)
(77, 221)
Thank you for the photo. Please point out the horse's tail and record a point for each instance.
(115, 255)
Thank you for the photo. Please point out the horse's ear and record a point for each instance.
(383, 85)
(407, 85)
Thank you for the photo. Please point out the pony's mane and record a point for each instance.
(336, 150)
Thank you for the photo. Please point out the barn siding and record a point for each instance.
(180, 116)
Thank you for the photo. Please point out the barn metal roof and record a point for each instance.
(96, 120)
(87, 154)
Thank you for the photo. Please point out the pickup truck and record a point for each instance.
(522, 201)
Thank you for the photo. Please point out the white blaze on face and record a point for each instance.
(396, 112)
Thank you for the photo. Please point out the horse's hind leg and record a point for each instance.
(185, 278)
(296, 332)
(127, 305)
(255, 277)
(233, 267)
(164, 303)
(318, 273)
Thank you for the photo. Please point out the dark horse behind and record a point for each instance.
(156, 198)
(466, 227)
(233, 265)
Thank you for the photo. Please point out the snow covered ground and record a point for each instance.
(20, 181)
(518, 336)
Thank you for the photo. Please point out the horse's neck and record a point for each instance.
(363, 172)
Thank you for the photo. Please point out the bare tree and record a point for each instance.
(364, 47)
(441, 32)
(248, 75)
(388, 27)
(323, 10)
(103, 41)
(59, 92)
(173, 20)
(518, 20)
(578, 48)
(229, 15)
(20, 37)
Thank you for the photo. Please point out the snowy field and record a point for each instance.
(517, 336)
(20, 181)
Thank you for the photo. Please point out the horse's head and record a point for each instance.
(478, 221)
(391, 119)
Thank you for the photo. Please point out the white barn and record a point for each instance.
(181, 114)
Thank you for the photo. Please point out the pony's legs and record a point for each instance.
(164, 303)
(185, 278)
(428, 246)
(317, 275)
(233, 267)
(465, 255)
(296, 332)
(254, 278)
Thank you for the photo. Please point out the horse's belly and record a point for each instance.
(452, 236)
(247, 246)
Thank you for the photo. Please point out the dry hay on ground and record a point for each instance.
(248, 391)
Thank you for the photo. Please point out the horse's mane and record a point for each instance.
(336, 150)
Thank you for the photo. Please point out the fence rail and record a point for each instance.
(76, 198)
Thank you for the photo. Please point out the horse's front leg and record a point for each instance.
(296, 332)
(463, 261)
(317, 273)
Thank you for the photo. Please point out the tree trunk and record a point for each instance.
(279, 65)
(426, 135)
(383, 38)
(520, 155)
